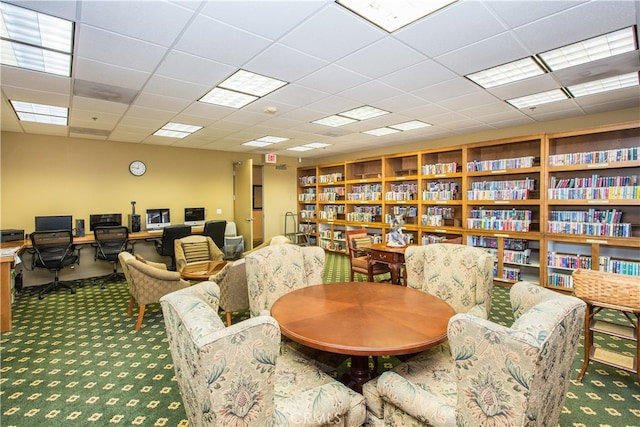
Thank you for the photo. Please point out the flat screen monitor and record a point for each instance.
(54, 222)
(104, 220)
(158, 218)
(194, 216)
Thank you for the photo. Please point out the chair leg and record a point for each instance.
(228, 318)
(132, 300)
(140, 314)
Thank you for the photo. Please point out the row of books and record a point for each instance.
(439, 195)
(363, 217)
(307, 180)
(498, 194)
(440, 168)
(364, 196)
(499, 164)
(330, 178)
(501, 214)
(560, 280)
(308, 214)
(589, 216)
(631, 268)
(607, 193)
(594, 157)
(492, 242)
(366, 188)
(330, 197)
(561, 260)
(590, 228)
(516, 184)
(404, 188)
(399, 196)
(406, 211)
(593, 181)
(499, 224)
(307, 197)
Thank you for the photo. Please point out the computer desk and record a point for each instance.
(7, 263)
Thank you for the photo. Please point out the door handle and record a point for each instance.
(248, 219)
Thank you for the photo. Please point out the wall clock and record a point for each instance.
(137, 168)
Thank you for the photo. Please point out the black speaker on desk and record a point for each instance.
(79, 227)
(134, 223)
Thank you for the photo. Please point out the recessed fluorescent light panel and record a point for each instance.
(240, 89)
(363, 113)
(380, 131)
(35, 41)
(176, 130)
(334, 121)
(391, 15)
(604, 85)
(310, 146)
(507, 73)
(411, 125)
(605, 46)
(40, 113)
(538, 99)
(264, 141)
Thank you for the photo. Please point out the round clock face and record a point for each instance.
(137, 168)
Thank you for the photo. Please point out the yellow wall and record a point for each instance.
(47, 175)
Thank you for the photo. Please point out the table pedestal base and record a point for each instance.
(359, 373)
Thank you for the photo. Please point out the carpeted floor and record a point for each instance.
(75, 360)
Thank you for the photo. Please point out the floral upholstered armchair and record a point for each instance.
(490, 374)
(238, 375)
(276, 270)
(459, 274)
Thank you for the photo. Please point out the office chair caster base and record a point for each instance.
(54, 286)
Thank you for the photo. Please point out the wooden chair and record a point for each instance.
(359, 244)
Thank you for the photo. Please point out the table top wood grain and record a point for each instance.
(363, 318)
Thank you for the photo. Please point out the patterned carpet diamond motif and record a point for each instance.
(75, 360)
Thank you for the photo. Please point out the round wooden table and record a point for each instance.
(363, 319)
(201, 270)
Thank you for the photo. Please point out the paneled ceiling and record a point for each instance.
(140, 64)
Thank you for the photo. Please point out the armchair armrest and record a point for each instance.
(334, 396)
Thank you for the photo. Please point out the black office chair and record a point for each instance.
(215, 230)
(110, 241)
(165, 246)
(54, 250)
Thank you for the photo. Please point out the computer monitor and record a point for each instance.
(104, 220)
(194, 216)
(158, 218)
(54, 222)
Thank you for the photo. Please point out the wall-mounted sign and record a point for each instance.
(270, 158)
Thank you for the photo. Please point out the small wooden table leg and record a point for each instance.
(588, 340)
(358, 374)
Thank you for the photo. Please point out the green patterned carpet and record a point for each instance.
(75, 360)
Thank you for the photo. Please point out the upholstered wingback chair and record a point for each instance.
(234, 294)
(147, 281)
(490, 374)
(279, 269)
(239, 376)
(195, 248)
(459, 274)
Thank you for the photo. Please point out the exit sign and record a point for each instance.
(270, 158)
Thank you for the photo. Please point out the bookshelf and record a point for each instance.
(511, 197)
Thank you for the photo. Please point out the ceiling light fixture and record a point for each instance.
(241, 88)
(538, 98)
(391, 15)
(593, 49)
(334, 121)
(41, 113)
(604, 85)
(176, 130)
(310, 146)
(35, 41)
(363, 113)
(264, 141)
(410, 125)
(381, 131)
(507, 73)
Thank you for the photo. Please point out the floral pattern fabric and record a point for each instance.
(458, 274)
(238, 376)
(276, 270)
(489, 374)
